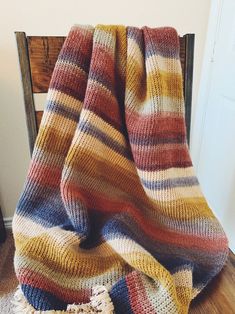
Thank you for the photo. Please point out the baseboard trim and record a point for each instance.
(8, 222)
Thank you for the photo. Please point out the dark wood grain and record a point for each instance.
(182, 55)
(39, 117)
(2, 228)
(219, 296)
(27, 87)
(43, 53)
(188, 79)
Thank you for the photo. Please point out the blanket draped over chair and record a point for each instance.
(112, 218)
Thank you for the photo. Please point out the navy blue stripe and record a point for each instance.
(104, 138)
(155, 50)
(45, 207)
(68, 113)
(42, 300)
(137, 35)
(170, 183)
(120, 298)
(74, 59)
(101, 79)
(150, 141)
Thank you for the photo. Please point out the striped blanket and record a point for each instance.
(112, 218)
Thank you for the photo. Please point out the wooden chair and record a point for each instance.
(37, 57)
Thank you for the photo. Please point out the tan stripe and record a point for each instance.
(20, 226)
(183, 278)
(157, 148)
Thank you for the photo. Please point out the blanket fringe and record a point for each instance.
(100, 302)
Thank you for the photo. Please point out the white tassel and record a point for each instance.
(101, 300)
(20, 303)
(100, 303)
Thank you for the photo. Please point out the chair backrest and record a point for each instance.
(37, 57)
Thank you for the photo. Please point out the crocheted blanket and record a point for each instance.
(112, 218)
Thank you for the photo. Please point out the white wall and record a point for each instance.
(213, 147)
(55, 17)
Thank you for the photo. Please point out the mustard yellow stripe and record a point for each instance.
(62, 251)
(54, 140)
(56, 121)
(66, 281)
(91, 145)
(136, 79)
(161, 83)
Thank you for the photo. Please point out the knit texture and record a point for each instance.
(111, 197)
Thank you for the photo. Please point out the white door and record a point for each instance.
(216, 158)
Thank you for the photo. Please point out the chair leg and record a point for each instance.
(2, 229)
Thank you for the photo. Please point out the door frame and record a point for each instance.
(198, 124)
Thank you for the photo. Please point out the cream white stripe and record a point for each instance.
(163, 64)
(104, 37)
(166, 174)
(135, 53)
(27, 227)
(153, 105)
(174, 194)
(125, 246)
(70, 66)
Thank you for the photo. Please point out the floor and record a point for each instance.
(8, 281)
(217, 298)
